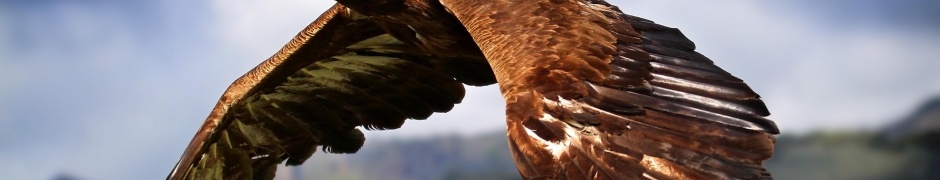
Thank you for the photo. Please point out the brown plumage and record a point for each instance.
(591, 93)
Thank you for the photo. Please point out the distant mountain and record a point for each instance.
(65, 176)
(921, 126)
(905, 150)
(443, 157)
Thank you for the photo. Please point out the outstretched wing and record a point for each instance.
(342, 71)
(593, 93)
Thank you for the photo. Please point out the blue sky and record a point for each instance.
(110, 89)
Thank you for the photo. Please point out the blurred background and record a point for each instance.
(113, 89)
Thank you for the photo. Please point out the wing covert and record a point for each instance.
(614, 96)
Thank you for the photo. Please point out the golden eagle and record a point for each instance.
(591, 92)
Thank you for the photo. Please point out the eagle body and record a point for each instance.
(591, 92)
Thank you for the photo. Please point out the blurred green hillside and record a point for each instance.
(448, 157)
(906, 150)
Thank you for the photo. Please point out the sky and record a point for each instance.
(112, 89)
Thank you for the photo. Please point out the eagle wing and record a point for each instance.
(593, 93)
(340, 72)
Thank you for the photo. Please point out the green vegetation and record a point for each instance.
(824, 155)
(850, 155)
(445, 157)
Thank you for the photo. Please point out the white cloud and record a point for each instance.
(99, 102)
(72, 43)
(8, 75)
(260, 28)
(863, 79)
(6, 32)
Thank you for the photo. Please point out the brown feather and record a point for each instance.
(591, 93)
(660, 105)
